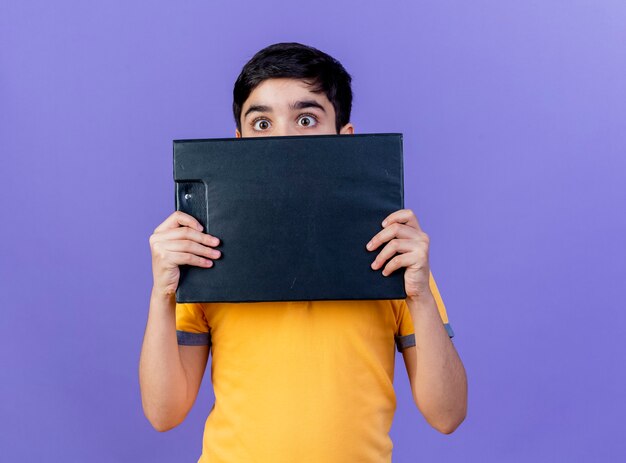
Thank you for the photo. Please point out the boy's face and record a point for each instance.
(282, 106)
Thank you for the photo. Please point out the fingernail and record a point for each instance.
(369, 245)
(384, 223)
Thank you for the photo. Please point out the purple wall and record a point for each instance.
(514, 116)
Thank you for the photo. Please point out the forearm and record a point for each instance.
(439, 383)
(161, 374)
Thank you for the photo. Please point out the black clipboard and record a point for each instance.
(293, 215)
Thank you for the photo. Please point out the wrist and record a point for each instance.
(163, 295)
(421, 297)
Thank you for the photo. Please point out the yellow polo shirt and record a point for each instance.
(302, 382)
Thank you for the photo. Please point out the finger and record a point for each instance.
(401, 260)
(393, 247)
(185, 233)
(177, 219)
(184, 258)
(191, 247)
(395, 230)
(406, 216)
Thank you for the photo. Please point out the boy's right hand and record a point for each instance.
(179, 241)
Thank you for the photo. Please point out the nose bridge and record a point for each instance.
(283, 128)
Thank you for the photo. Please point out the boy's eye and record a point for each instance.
(261, 124)
(307, 120)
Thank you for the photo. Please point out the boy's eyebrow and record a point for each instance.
(258, 108)
(297, 105)
(307, 104)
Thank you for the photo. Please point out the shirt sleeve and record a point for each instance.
(192, 328)
(405, 336)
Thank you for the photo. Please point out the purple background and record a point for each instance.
(514, 117)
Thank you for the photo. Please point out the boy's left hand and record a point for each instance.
(406, 239)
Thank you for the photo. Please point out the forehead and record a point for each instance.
(280, 92)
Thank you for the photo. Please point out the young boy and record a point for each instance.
(307, 381)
